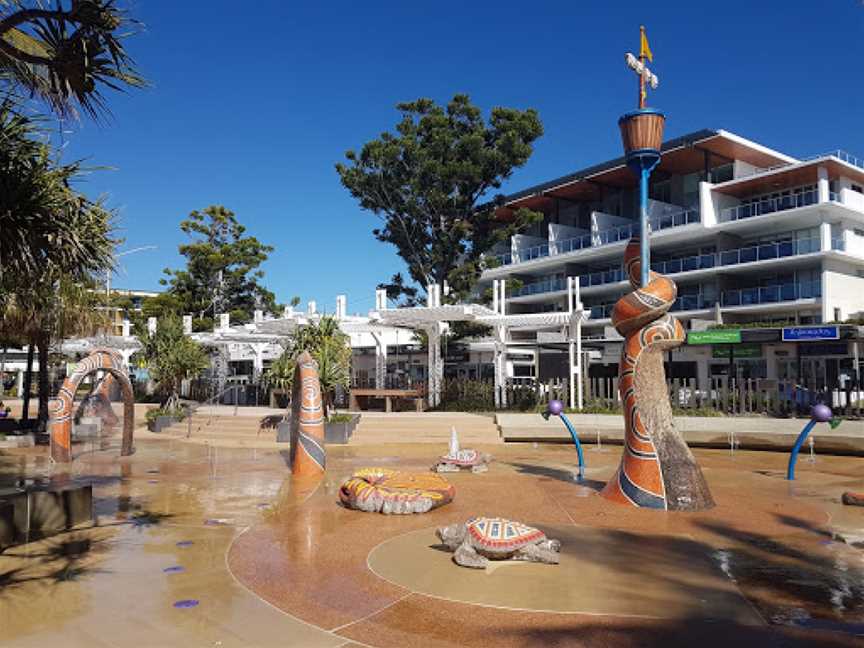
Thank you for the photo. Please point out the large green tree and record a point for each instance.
(65, 52)
(431, 183)
(222, 273)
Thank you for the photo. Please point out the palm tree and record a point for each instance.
(329, 347)
(65, 53)
(52, 241)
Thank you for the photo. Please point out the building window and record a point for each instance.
(857, 188)
(722, 173)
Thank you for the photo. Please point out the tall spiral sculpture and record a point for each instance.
(308, 454)
(657, 469)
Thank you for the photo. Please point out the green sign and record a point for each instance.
(717, 336)
(743, 351)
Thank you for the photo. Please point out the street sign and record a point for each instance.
(810, 333)
(742, 351)
(716, 336)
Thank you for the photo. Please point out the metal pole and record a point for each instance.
(581, 358)
(643, 225)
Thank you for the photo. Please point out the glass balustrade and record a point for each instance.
(604, 237)
(771, 294)
(769, 206)
(761, 252)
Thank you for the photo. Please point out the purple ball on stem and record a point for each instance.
(556, 407)
(821, 413)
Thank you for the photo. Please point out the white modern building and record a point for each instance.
(749, 234)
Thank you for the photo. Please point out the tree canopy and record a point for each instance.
(65, 53)
(222, 273)
(430, 183)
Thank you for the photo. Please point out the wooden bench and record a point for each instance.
(388, 395)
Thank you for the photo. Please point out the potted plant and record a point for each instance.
(339, 427)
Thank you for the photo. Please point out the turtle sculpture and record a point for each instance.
(482, 539)
(456, 459)
(382, 490)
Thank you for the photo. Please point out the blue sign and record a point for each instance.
(808, 333)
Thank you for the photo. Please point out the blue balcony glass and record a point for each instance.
(769, 205)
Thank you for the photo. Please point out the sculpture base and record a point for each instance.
(683, 481)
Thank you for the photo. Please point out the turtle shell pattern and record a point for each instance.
(380, 485)
(498, 535)
(463, 458)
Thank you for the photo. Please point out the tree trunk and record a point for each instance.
(44, 383)
(28, 383)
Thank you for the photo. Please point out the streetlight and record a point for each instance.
(143, 248)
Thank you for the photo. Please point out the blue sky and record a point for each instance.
(252, 109)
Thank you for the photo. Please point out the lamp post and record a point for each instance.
(143, 248)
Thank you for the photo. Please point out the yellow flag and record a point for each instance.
(645, 49)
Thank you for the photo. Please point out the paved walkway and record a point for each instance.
(197, 547)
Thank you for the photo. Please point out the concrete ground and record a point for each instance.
(203, 546)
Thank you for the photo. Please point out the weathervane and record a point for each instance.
(646, 76)
(642, 136)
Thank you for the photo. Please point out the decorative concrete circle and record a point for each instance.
(602, 571)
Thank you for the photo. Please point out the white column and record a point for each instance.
(258, 316)
(151, 325)
(380, 360)
(257, 360)
(822, 184)
(707, 212)
(126, 327)
(433, 336)
(825, 237)
(380, 299)
(311, 308)
(224, 321)
(341, 306)
(580, 358)
(287, 312)
(187, 325)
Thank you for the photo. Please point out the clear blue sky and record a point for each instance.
(251, 109)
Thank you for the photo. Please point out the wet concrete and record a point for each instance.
(202, 548)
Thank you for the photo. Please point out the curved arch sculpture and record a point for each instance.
(657, 469)
(60, 409)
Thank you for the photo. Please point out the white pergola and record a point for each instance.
(434, 318)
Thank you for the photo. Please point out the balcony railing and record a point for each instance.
(841, 155)
(768, 251)
(545, 286)
(742, 297)
(838, 244)
(604, 237)
(770, 205)
(772, 294)
(534, 252)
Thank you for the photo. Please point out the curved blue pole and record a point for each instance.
(578, 446)
(793, 458)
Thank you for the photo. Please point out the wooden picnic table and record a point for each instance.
(388, 395)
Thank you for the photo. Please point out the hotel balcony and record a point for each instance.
(763, 252)
(596, 239)
(731, 299)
